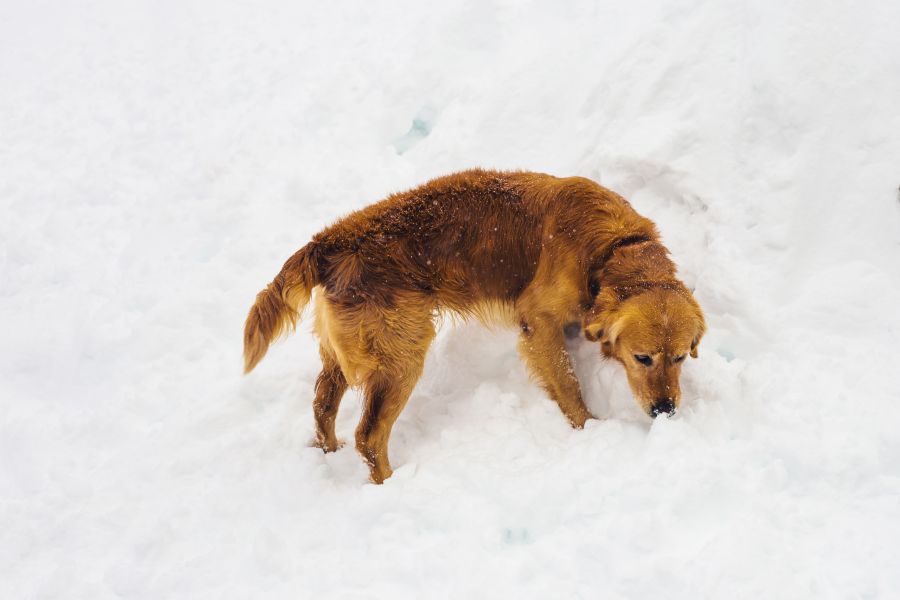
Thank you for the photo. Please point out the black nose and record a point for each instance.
(663, 405)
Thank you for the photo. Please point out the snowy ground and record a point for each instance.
(160, 160)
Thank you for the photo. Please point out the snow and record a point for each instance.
(160, 160)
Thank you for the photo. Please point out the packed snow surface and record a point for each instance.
(160, 160)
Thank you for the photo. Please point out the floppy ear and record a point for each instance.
(593, 331)
(597, 331)
(701, 329)
(603, 322)
(597, 317)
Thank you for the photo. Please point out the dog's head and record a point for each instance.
(651, 333)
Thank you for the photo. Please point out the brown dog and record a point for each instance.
(526, 249)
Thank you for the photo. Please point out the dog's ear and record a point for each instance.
(593, 331)
(597, 331)
(600, 323)
(701, 329)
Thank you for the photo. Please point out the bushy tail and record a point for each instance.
(278, 307)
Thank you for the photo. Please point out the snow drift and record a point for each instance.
(161, 160)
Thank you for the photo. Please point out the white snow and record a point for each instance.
(160, 160)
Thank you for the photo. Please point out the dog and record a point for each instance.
(523, 249)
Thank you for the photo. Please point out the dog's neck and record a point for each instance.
(636, 263)
(623, 242)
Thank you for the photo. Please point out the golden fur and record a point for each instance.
(524, 249)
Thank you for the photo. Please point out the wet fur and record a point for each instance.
(521, 249)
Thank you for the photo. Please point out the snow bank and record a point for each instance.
(161, 160)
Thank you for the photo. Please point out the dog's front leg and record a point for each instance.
(542, 345)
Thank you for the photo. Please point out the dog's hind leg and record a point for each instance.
(542, 345)
(385, 398)
(401, 342)
(330, 387)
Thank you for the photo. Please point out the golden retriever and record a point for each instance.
(526, 249)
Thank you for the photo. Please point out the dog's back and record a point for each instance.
(463, 239)
(466, 239)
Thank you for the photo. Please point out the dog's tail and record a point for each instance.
(278, 307)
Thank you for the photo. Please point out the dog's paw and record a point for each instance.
(327, 446)
(592, 423)
(378, 475)
(578, 419)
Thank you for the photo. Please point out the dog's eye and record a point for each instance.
(643, 359)
(678, 359)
